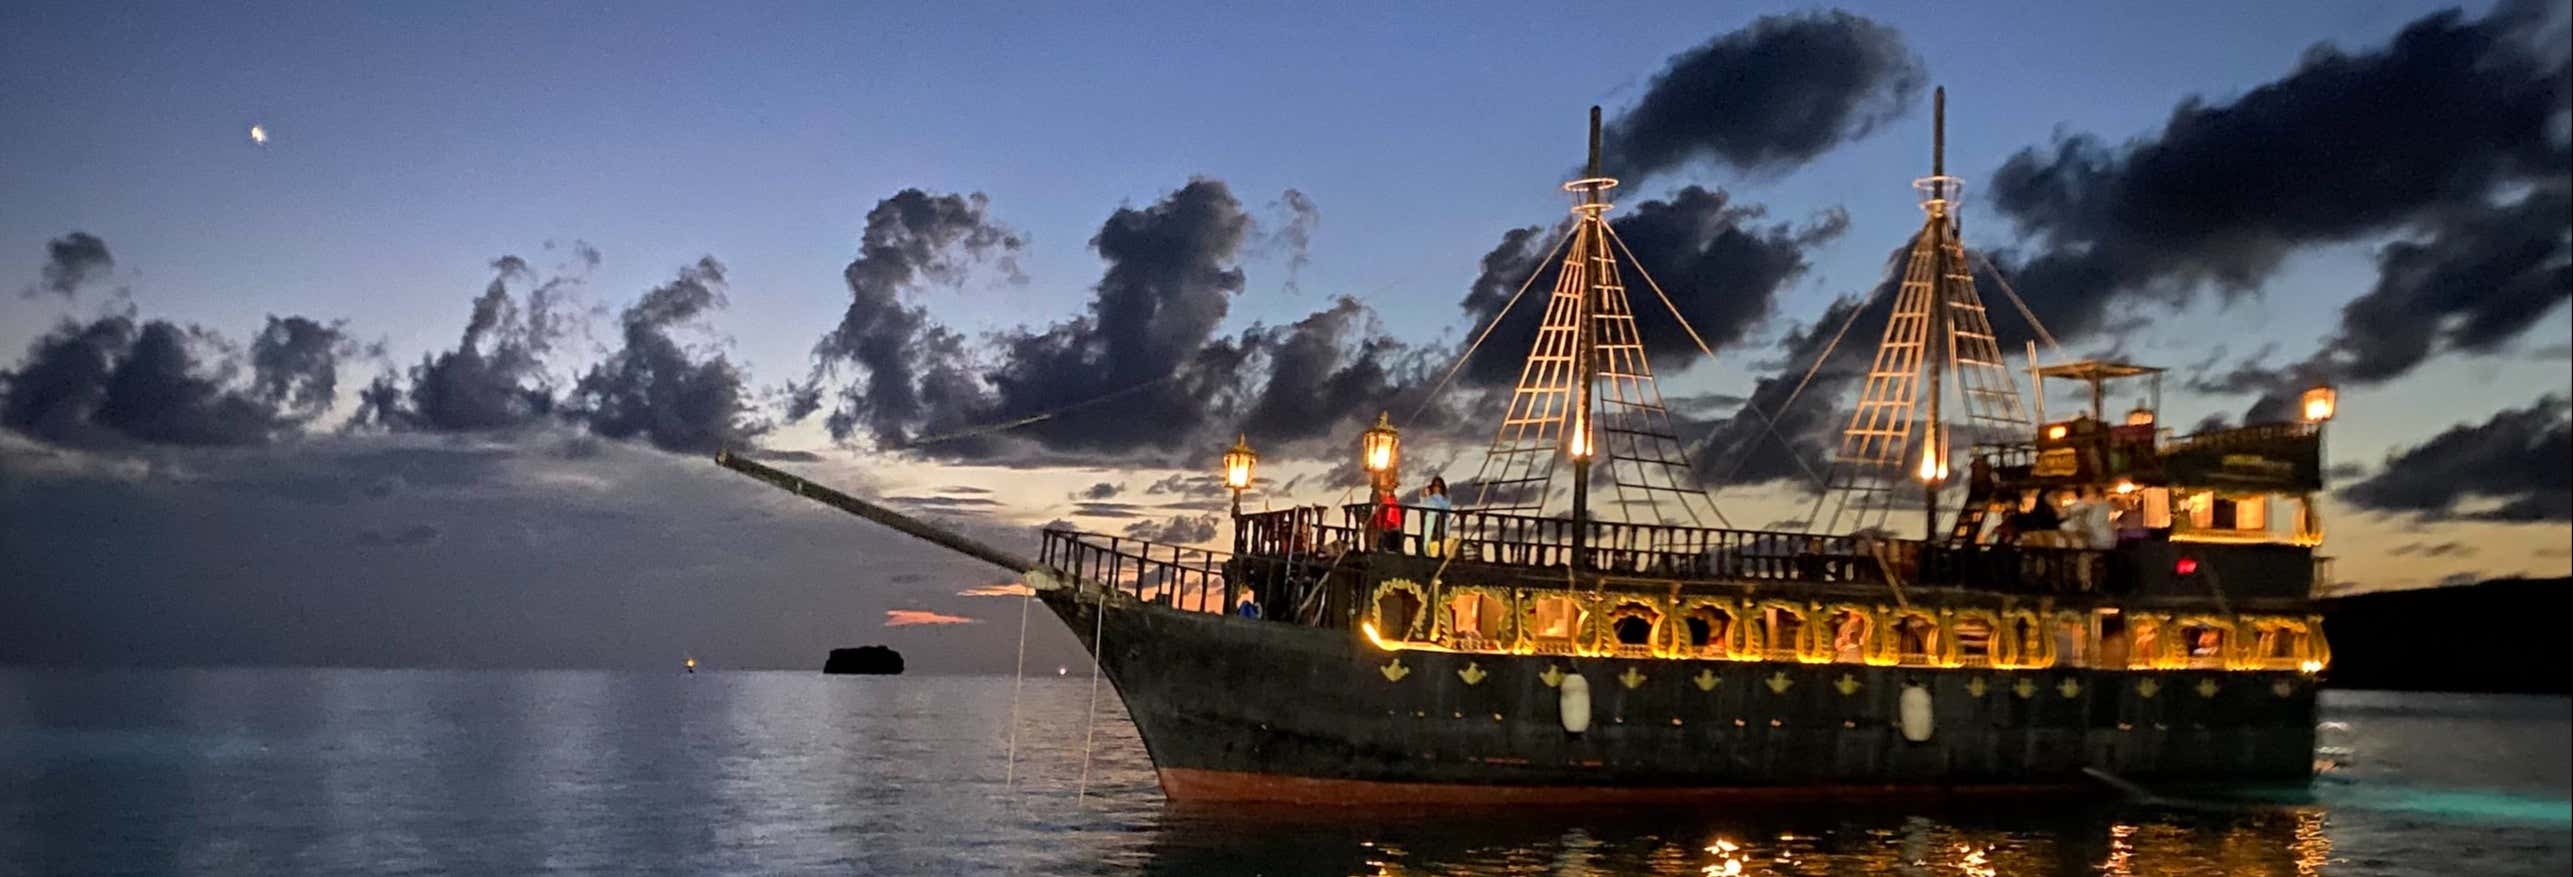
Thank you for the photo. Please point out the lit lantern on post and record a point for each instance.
(1934, 463)
(2319, 403)
(1237, 469)
(1380, 450)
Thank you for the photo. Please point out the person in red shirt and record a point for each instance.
(1389, 519)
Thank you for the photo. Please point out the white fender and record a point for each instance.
(1576, 703)
(1917, 720)
(1038, 580)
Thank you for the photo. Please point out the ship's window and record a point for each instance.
(2116, 648)
(1476, 620)
(1916, 639)
(1632, 623)
(2028, 645)
(1786, 629)
(1396, 612)
(2144, 642)
(2201, 506)
(2205, 643)
(1556, 618)
(2280, 643)
(2251, 513)
(1849, 630)
(1708, 629)
(2157, 508)
(1974, 640)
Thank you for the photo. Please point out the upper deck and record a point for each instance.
(1496, 544)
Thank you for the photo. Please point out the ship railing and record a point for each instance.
(1185, 577)
(1179, 576)
(2255, 435)
(1662, 550)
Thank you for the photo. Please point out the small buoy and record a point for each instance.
(1575, 700)
(1917, 720)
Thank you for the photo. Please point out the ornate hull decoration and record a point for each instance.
(1239, 709)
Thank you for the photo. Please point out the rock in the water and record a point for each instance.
(865, 661)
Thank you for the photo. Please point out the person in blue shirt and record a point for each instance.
(1434, 498)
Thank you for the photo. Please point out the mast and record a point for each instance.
(1938, 334)
(1586, 395)
(1933, 457)
(1585, 357)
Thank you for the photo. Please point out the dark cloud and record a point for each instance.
(946, 503)
(1179, 530)
(495, 378)
(1327, 371)
(2418, 135)
(1149, 335)
(1107, 510)
(63, 380)
(1101, 490)
(2433, 549)
(2515, 467)
(1142, 370)
(1768, 97)
(2479, 279)
(295, 364)
(654, 388)
(1722, 268)
(71, 261)
(910, 369)
(160, 383)
(1295, 234)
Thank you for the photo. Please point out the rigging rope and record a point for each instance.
(1801, 383)
(1765, 422)
(1495, 323)
(1032, 418)
(2024, 312)
(1090, 729)
(1018, 682)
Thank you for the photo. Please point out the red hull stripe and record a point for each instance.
(1192, 785)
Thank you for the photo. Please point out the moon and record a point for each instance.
(259, 134)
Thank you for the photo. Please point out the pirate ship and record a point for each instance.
(1523, 646)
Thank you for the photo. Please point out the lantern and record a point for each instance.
(2319, 403)
(1934, 465)
(1380, 448)
(1238, 463)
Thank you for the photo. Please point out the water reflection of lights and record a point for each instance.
(1727, 864)
(1973, 863)
(2121, 851)
(2311, 848)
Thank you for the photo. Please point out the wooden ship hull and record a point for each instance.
(1242, 709)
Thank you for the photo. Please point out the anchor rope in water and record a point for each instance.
(1018, 683)
(1090, 728)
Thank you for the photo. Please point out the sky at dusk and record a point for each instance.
(429, 373)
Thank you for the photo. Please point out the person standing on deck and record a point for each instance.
(1389, 519)
(1434, 500)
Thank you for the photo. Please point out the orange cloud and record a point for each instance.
(910, 617)
(1004, 589)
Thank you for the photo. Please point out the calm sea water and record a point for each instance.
(341, 771)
